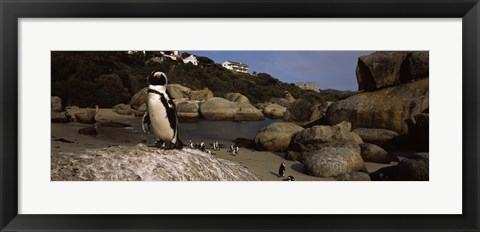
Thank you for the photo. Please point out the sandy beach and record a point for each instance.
(65, 138)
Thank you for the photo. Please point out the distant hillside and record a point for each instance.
(108, 78)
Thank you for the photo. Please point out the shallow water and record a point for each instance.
(221, 131)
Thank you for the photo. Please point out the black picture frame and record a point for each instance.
(11, 11)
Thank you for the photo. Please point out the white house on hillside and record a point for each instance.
(308, 86)
(191, 59)
(235, 66)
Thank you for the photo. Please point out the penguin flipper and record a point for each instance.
(146, 123)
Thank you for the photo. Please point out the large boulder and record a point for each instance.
(139, 98)
(289, 97)
(56, 104)
(178, 91)
(386, 139)
(413, 168)
(387, 108)
(375, 154)
(200, 95)
(274, 111)
(333, 161)
(122, 109)
(247, 112)
(281, 101)
(57, 113)
(276, 136)
(143, 163)
(383, 69)
(318, 137)
(217, 108)
(188, 110)
(86, 117)
(60, 117)
(302, 112)
(236, 97)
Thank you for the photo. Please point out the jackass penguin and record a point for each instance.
(161, 115)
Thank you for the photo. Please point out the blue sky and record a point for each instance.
(330, 69)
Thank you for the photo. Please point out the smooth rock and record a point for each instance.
(178, 91)
(318, 137)
(236, 97)
(333, 161)
(218, 109)
(143, 163)
(387, 108)
(274, 111)
(87, 117)
(373, 153)
(60, 117)
(386, 139)
(276, 136)
(413, 168)
(56, 104)
(247, 112)
(201, 95)
(386, 68)
(139, 98)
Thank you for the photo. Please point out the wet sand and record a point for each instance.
(264, 164)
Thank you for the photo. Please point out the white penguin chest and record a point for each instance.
(159, 118)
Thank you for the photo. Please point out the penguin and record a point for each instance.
(190, 144)
(215, 145)
(202, 146)
(232, 148)
(236, 149)
(281, 170)
(161, 114)
(290, 178)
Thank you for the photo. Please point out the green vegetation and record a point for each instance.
(102, 78)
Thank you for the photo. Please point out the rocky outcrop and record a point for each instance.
(289, 97)
(57, 113)
(142, 163)
(302, 112)
(413, 168)
(375, 154)
(281, 101)
(383, 69)
(247, 112)
(86, 117)
(178, 92)
(222, 109)
(274, 111)
(276, 136)
(218, 109)
(139, 98)
(122, 109)
(188, 110)
(318, 137)
(387, 108)
(333, 161)
(386, 139)
(236, 97)
(200, 95)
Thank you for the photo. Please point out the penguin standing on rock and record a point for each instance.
(281, 170)
(161, 115)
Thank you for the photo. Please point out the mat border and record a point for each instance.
(11, 11)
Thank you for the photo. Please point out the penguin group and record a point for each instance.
(282, 171)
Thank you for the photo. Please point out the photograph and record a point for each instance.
(208, 115)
